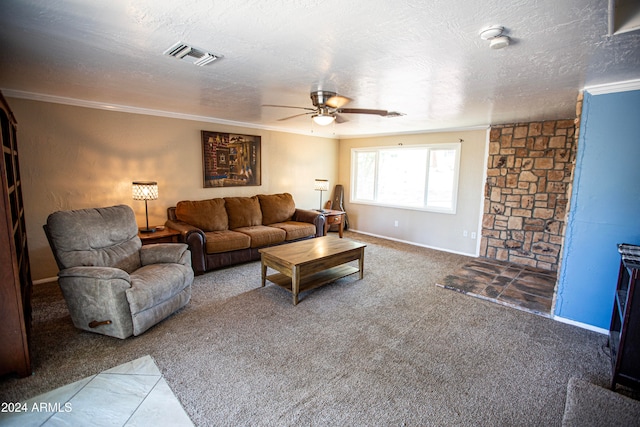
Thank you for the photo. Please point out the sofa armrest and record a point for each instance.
(195, 239)
(313, 217)
(159, 253)
(184, 228)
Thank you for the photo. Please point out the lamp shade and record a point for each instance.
(322, 185)
(145, 190)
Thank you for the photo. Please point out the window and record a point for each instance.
(416, 177)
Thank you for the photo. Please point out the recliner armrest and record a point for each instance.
(159, 253)
(97, 300)
(100, 273)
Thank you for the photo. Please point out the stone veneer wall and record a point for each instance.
(529, 177)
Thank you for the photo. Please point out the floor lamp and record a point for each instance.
(145, 190)
(321, 185)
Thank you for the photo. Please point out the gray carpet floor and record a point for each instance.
(590, 405)
(390, 349)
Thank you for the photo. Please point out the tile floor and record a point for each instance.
(522, 287)
(132, 394)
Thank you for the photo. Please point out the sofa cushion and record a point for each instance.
(243, 211)
(262, 235)
(225, 241)
(276, 207)
(296, 230)
(207, 215)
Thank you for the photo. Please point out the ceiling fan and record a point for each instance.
(328, 107)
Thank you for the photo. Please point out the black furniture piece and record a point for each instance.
(624, 333)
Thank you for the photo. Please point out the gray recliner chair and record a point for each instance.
(111, 283)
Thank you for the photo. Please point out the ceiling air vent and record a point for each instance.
(182, 51)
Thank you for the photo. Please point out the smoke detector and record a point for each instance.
(494, 34)
(499, 42)
(182, 51)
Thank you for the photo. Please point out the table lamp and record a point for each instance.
(145, 190)
(321, 185)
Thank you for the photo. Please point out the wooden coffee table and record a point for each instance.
(311, 263)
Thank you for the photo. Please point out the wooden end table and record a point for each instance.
(333, 217)
(311, 263)
(167, 235)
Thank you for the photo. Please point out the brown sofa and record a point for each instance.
(230, 230)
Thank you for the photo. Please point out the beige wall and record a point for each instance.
(75, 157)
(436, 230)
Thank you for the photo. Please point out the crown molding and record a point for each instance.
(603, 89)
(145, 111)
(32, 96)
(418, 132)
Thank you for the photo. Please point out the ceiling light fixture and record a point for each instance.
(494, 34)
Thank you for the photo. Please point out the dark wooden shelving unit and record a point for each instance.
(15, 273)
(624, 333)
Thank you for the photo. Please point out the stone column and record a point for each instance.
(529, 176)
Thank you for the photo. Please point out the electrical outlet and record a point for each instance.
(465, 233)
(395, 223)
(473, 234)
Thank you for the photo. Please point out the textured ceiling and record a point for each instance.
(422, 58)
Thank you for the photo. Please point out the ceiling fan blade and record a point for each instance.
(289, 106)
(297, 115)
(340, 119)
(337, 101)
(362, 111)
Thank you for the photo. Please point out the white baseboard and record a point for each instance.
(415, 244)
(581, 325)
(45, 280)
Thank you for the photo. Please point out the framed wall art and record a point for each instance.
(230, 160)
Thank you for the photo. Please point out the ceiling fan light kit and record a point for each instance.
(323, 119)
(495, 37)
